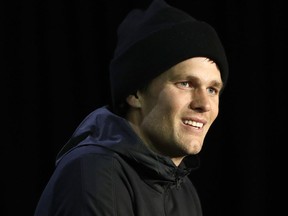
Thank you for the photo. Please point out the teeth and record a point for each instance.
(193, 123)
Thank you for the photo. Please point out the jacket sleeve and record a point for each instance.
(90, 185)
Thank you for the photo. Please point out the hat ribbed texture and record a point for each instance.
(152, 41)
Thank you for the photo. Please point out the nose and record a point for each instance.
(200, 101)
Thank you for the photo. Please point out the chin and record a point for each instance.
(195, 149)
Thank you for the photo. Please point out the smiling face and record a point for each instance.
(172, 116)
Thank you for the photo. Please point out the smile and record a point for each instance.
(193, 123)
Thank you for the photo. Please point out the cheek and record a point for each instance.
(174, 100)
(161, 111)
(167, 103)
(168, 107)
(215, 111)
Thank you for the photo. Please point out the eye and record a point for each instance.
(213, 91)
(184, 84)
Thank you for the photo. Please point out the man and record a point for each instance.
(134, 157)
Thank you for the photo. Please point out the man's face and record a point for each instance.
(179, 106)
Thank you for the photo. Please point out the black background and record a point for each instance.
(54, 69)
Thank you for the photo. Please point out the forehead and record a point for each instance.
(201, 67)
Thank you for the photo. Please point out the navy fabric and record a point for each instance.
(105, 169)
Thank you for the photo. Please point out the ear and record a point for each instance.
(133, 101)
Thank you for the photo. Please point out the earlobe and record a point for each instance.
(133, 101)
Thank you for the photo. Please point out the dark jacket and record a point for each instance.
(105, 169)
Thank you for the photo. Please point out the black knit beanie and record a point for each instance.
(152, 41)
